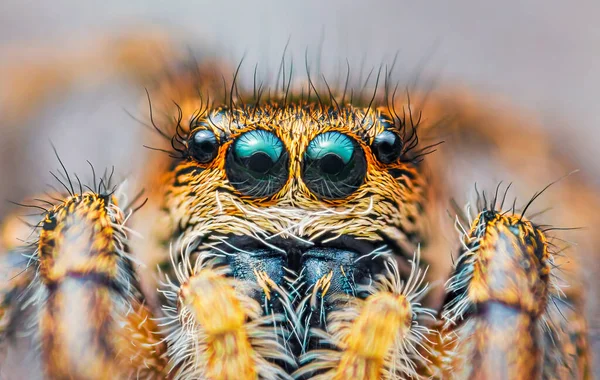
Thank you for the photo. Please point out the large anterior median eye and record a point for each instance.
(257, 164)
(334, 165)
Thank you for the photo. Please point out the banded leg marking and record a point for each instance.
(92, 321)
(501, 301)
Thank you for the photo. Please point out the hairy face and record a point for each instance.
(312, 198)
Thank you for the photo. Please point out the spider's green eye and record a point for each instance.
(332, 150)
(259, 149)
(203, 146)
(256, 163)
(334, 165)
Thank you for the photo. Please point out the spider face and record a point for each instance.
(311, 197)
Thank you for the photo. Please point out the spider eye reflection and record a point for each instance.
(203, 146)
(387, 147)
(334, 165)
(257, 164)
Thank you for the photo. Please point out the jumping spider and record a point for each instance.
(293, 228)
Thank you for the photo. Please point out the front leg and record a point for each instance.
(501, 317)
(380, 337)
(217, 330)
(82, 292)
(15, 278)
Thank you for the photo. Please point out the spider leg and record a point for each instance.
(15, 277)
(565, 341)
(501, 317)
(380, 337)
(217, 330)
(29, 85)
(89, 315)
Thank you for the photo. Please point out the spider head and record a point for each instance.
(313, 197)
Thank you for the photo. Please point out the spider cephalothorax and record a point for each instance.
(314, 197)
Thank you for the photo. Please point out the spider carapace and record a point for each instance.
(293, 229)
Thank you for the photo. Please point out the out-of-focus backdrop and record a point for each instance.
(541, 56)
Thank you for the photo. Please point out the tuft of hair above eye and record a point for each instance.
(203, 146)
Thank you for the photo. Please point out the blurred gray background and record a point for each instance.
(543, 56)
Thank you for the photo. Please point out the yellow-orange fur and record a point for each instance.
(222, 333)
(216, 307)
(499, 322)
(91, 323)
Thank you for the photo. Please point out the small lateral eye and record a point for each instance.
(203, 146)
(387, 147)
